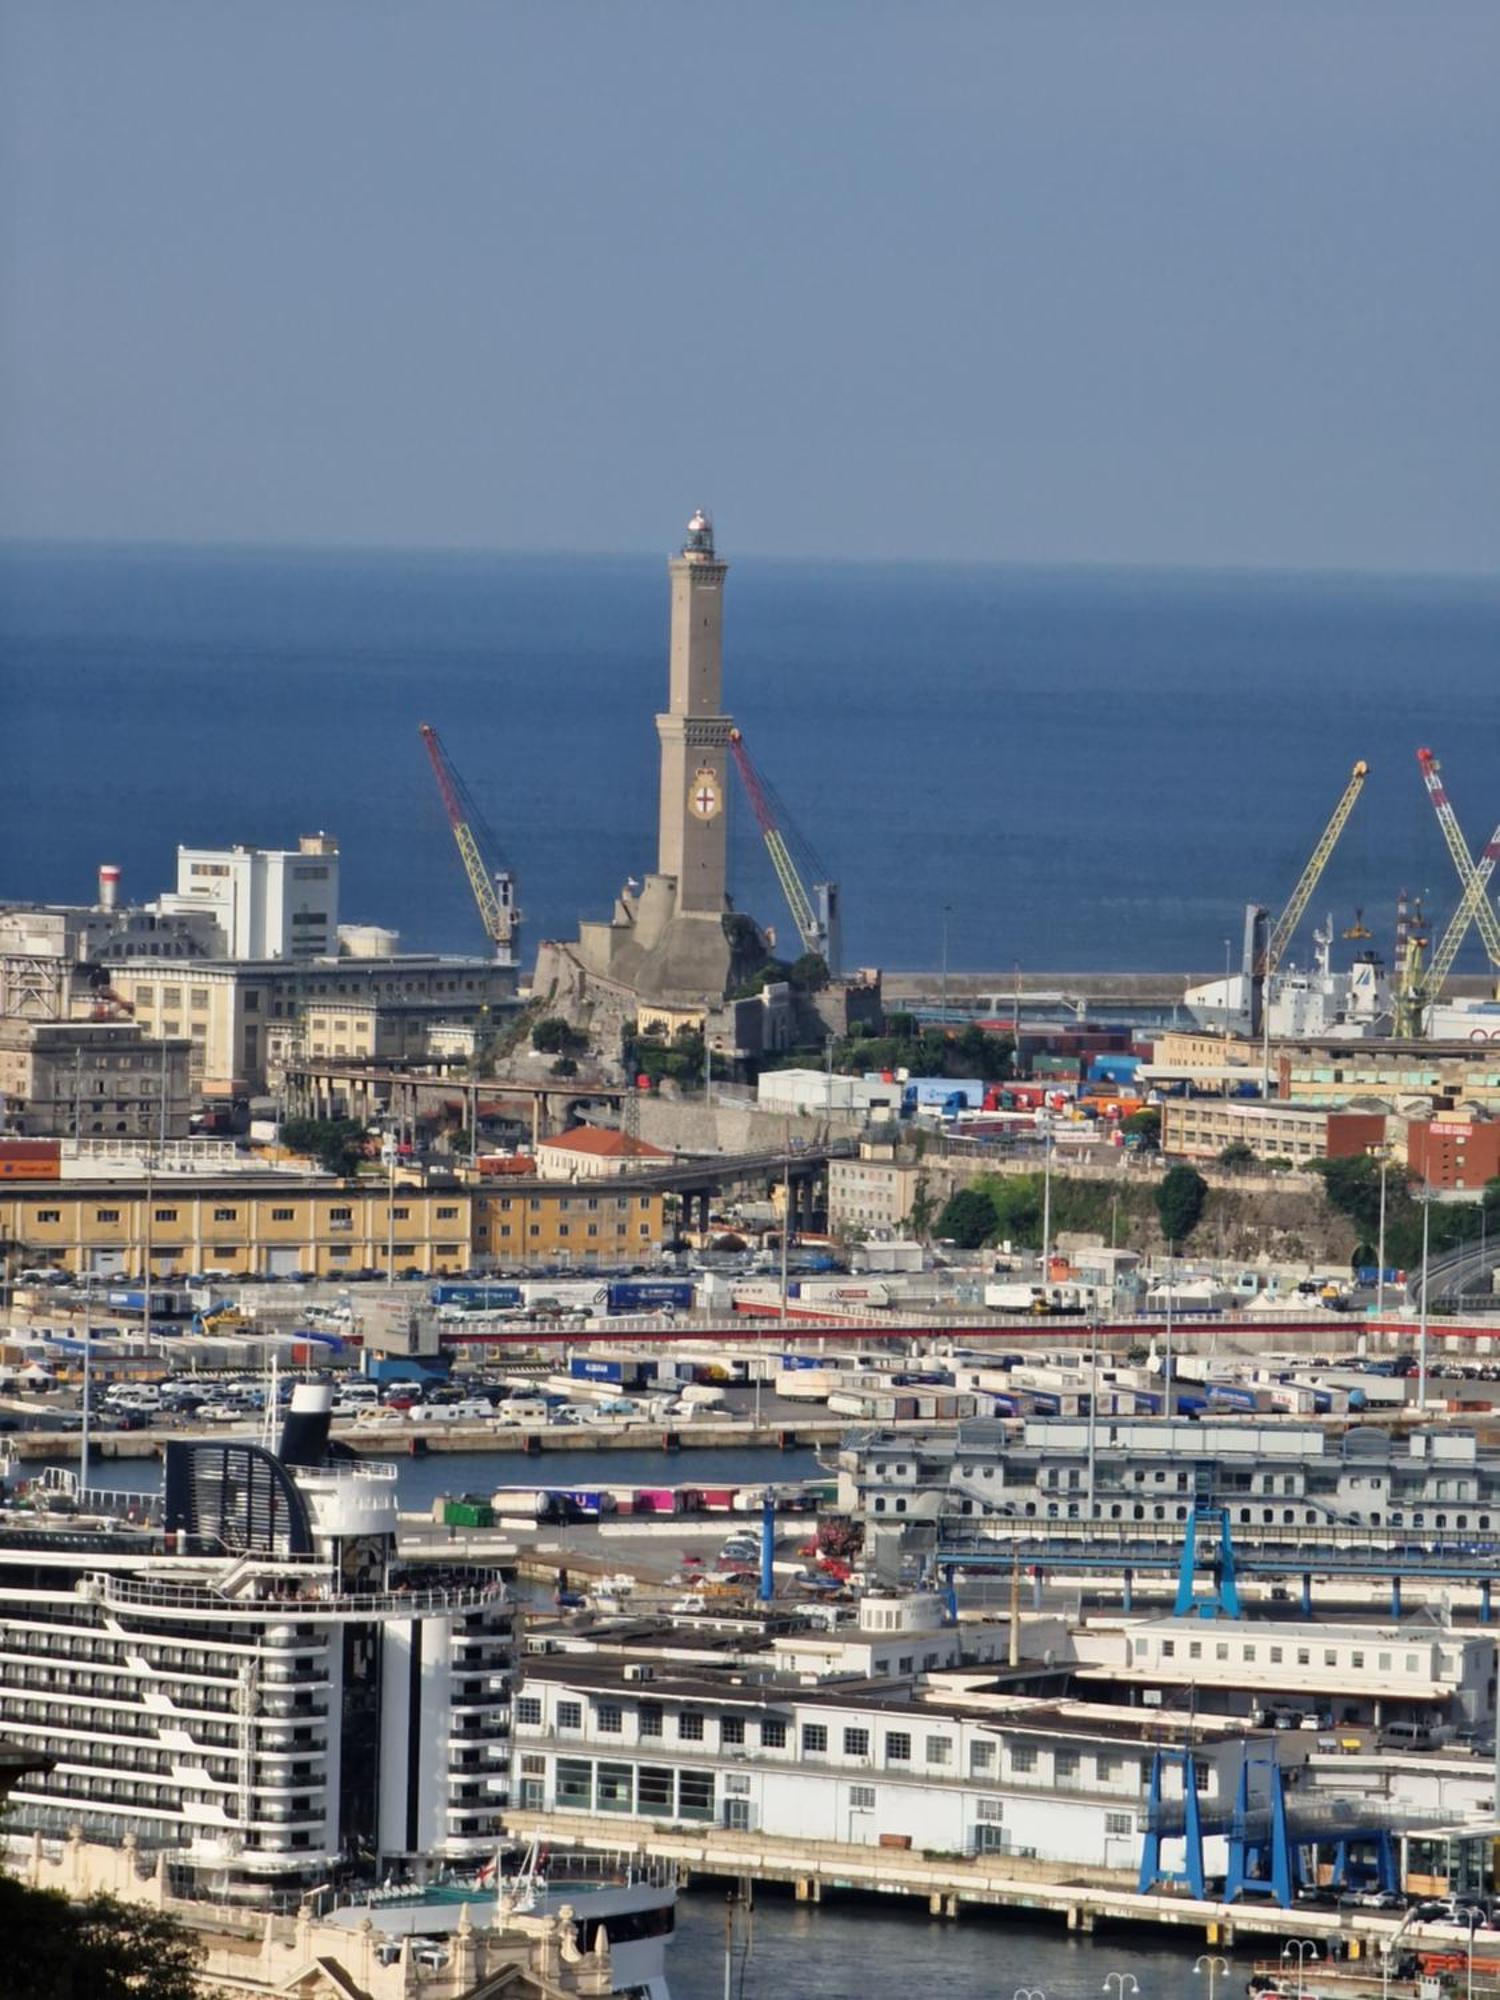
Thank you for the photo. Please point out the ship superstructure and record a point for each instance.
(262, 1688)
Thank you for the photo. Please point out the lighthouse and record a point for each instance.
(694, 732)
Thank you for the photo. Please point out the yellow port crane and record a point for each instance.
(494, 889)
(1286, 924)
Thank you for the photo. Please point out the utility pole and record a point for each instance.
(1168, 1399)
(1093, 1399)
(88, 1380)
(1380, 1247)
(1422, 1318)
(146, 1235)
(943, 1009)
(786, 1211)
(390, 1207)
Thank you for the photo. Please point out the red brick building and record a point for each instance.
(1460, 1154)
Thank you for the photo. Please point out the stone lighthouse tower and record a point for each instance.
(674, 936)
(694, 732)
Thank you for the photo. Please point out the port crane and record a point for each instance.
(494, 889)
(1286, 924)
(816, 915)
(1422, 985)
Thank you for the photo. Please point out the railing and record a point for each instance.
(478, 1588)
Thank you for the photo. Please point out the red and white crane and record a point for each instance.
(1474, 905)
(494, 889)
(815, 913)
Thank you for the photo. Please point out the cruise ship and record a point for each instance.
(260, 1689)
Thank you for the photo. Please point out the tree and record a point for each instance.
(968, 1217)
(1145, 1128)
(1179, 1202)
(556, 1037)
(1237, 1154)
(336, 1143)
(95, 1950)
(923, 1208)
(809, 973)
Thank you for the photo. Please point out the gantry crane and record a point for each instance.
(1286, 924)
(494, 889)
(1474, 906)
(816, 915)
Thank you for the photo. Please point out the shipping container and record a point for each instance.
(593, 1368)
(468, 1513)
(643, 1295)
(497, 1298)
(656, 1500)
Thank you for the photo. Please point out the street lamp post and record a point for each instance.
(1213, 1965)
(88, 1380)
(1093, 1407)
(1228, 947)
(1167, 1399)
(1302, 1949)
(1120, 1985)
(1422, 1318)
(943, 1009)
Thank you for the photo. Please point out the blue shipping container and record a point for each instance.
(498, 1296)
(648, 1294)
(588, 1368)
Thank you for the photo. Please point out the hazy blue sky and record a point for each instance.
(1169, 283)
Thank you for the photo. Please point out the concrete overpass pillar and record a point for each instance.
(1484, 1602)
(1129, 1588)
(1395, 1597)
(1307, 1594)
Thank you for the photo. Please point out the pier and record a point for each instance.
(944, 1885)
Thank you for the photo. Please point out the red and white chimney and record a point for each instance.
(109, 885)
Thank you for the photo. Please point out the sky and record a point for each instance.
(1209, 283)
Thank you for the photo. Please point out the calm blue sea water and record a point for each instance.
(1092, 769)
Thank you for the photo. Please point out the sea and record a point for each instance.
(1057, 769)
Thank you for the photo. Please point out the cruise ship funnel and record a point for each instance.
(304, 1435)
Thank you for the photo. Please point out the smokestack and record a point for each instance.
(304, 1435)
(109, 885)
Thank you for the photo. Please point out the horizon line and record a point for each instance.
(1065, 565)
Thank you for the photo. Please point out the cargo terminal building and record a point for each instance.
(270, 1224)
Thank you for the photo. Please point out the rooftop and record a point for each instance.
(602, 1142)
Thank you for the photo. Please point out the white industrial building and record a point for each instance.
(954, 1768)
(269, 902)
(814, 1091)
(1356, 1673)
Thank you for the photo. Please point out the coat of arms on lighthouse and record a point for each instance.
(705, 801)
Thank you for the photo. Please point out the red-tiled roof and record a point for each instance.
(602, 1143)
